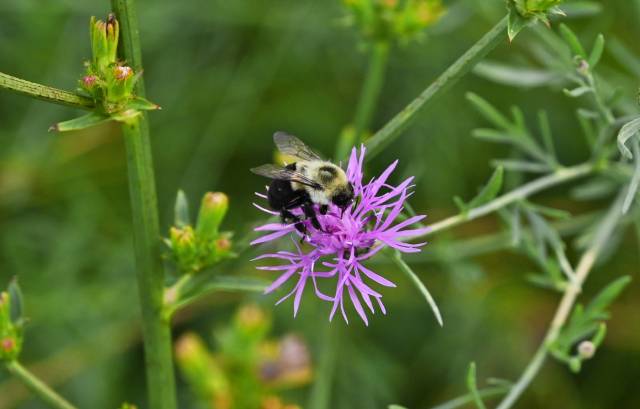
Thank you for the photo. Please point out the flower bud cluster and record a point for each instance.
(109, 81)
(193, 249)
(388, 20)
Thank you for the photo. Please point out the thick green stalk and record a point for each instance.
(45, 93)
(39, 388)
(155, 329)
(368, 98)
(456, 71)
(585, 265)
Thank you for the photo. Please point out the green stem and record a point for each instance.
(155, 329)
(320, 396)
(39, 388)
(468, 398)
(368, 98)
(456, 71)
(585, 265)
(559, 176)
(45, 93)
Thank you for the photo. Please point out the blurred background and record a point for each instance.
(227, 75)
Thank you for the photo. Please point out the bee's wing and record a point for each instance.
(280, 173)
(290, 145)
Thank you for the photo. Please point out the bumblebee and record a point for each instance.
(307, 182)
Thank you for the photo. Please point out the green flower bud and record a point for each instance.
(10, 332)
(202, 371)
(528, 8)
(183, 244)
(104, 42)
(213, 208)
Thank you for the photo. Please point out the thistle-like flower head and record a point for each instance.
(338, 250)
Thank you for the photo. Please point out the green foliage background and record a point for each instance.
(227, 75)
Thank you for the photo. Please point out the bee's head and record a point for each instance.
(343, 197)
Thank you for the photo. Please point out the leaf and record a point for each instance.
(126, 116)
(16, 308)
(626, 132)
(404, 267)
(547, 136)
(577, 92)
(596, 51)
(396, 407)
(521, 165)
(635, 179)
(489, 111)
(82, 122)
(142, 104)
(606, 297)
(521, 77)
(572, 40)
(491, 189)
(218, 283)
(582, 8)
(181, 210)
(516, 22)
(472, 386)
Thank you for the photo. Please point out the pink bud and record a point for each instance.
(89, 80)
(122, 72)
(7, 344)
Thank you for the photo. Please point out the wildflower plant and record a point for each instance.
(335, 261)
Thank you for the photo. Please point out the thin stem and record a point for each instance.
(44, 93)
(368, 98)
(320, 396)
(559, 176)
(447, 79)
(39, 388)
(155, 329)
(585, 265)
(468, 398)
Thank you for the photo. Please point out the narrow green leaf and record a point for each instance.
(576, 92)
(142, 104)
(606, 296)
(520, 77)
(462, 206)
(521, 166)
(17, 301)
(396, 407)
(545, 132)
(626, 132)
(635, 179)
(516, 23)
(181, 210)
(472, 386)
(572, 40)
(82, 122)
(582, 8)
(491, 189)
(623, 55)
(404, 267)
(221, 283)
(489, 111)
(596, 51)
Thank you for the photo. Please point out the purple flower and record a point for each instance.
(345, 241)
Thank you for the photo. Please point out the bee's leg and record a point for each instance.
(289, 218)
(324, 209)
(311, 215)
